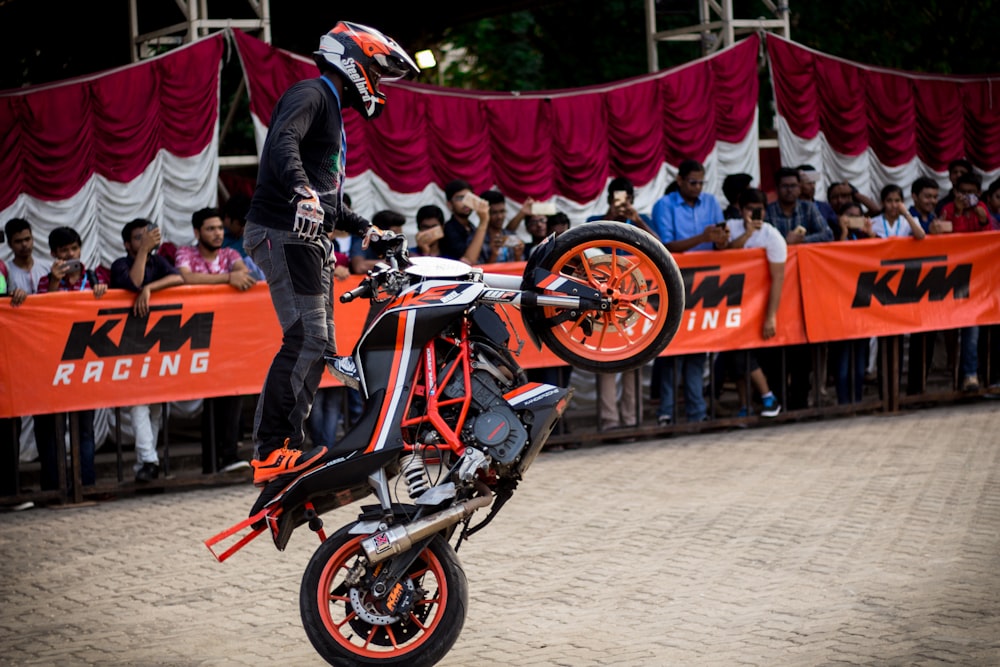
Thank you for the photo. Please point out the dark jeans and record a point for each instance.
(327, 413)
(921, 354)
(850, 359)
(298, 276)
(10, 453)
(792, 389)
(46, 434)
(224, 411)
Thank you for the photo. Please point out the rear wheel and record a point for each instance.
(636, 272)
(348, 626)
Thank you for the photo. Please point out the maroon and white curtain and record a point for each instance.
(560, 145)
(875, 126)
(95, 152)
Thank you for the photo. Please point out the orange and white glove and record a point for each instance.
(371, 234)
(308, 214)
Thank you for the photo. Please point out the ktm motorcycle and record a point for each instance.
(451, 425)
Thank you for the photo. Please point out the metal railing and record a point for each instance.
(885, 395)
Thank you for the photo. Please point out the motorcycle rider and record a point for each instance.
(297, 202)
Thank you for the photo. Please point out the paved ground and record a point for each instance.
(873, 540)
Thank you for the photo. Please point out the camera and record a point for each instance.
(757, 214)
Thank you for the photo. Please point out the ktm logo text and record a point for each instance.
(710, 292)
(936, 283)
(127, 352)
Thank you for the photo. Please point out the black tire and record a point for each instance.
(431, 629)
(649, 293)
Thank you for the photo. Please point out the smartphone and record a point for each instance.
(543, 208)
(72, 265)
(721, 225)
(619, 196)
(471, 200)
(511, 241)
(800, 230)
(945, 226)
(428, 236)
(757, 214)
(855, 222)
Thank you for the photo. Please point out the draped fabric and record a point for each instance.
(561, 145)
(875, 126)
(95, 152)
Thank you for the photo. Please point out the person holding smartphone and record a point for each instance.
(68, 274)
(968, 214)
(621, 206)
(750, 231)
(500, 244)
(459, 230)
(143, 272)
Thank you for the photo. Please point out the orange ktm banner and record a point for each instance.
(726, 295)
(69, 351)
(884, 287)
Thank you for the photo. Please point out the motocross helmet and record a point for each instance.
(363, 56)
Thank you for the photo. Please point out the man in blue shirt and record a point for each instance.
(808, 178)
(686, 219)
(798, 221)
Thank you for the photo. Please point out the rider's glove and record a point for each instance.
(308, 214)
(371, 234)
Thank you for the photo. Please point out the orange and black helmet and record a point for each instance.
(363, 56)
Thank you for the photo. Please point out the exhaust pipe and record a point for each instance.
(398, 539)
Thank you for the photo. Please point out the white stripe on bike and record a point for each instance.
(397, 390)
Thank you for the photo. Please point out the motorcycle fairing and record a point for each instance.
(547, 403)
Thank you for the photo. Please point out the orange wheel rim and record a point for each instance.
(639, 301)
(358, 627)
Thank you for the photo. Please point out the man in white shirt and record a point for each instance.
(23, 272)
(751, 231)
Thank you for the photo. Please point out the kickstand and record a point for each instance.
(261, 518)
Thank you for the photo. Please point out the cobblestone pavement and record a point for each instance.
(873, 541)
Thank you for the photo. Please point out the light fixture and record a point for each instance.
(425, 59)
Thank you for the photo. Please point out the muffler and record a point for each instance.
(398, 539)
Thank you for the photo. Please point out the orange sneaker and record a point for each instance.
(283, 461)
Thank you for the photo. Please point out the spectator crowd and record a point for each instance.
(479, 229)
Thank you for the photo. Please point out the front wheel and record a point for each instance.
(348, 626)
(631, 268)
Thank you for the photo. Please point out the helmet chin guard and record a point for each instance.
(364, 57)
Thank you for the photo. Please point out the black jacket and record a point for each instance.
(303, 149)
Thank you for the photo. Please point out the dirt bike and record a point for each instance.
(450, 427)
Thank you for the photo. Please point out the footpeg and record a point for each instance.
(345, 370)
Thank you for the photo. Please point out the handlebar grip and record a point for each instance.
(362, 290)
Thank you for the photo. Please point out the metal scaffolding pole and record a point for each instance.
(717, 28)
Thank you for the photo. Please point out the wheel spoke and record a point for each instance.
(392, 636)
(416, 621)
(347, 619)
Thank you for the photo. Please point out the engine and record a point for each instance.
(492, 425)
